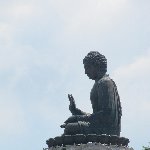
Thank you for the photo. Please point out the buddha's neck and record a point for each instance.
(100, 76)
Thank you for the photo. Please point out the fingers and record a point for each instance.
(70, 97)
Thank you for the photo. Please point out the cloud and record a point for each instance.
(97, 16)
(42, 45)
(12, 119)
(16, 63)
(29, 85)
(139, 68)
(86, 18)
(5, 34)
(22, 10)
(16, 10)
(133, 80)
(133, 84)
(52, 20)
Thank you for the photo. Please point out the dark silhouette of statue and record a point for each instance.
(106, 116)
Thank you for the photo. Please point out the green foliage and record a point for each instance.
(146, 147)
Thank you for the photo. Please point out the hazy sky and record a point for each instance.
(42, 45)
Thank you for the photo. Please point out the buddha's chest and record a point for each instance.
(95, 101)
(94, 94)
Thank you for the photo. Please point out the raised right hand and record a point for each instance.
(72, 106)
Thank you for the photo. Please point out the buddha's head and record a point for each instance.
(95, 65)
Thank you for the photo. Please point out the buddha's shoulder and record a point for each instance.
(105, 81)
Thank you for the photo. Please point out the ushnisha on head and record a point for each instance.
(95, 65)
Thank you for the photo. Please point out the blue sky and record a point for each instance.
(42, 45)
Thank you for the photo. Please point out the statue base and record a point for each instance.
(80, 139)
(89, 146)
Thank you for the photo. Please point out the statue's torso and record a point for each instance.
(104, 96)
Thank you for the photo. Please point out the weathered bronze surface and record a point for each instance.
(105, 100)
(104, 124)
(84, 139)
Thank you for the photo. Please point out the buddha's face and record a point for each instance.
(91, 71)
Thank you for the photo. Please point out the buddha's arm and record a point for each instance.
(78, 112)
(104, 90)
(72, 107)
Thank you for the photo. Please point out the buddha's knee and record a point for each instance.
(72, 128)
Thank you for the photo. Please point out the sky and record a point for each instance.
(42, 46)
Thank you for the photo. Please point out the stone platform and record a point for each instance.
(89, 146)
(79, 139)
